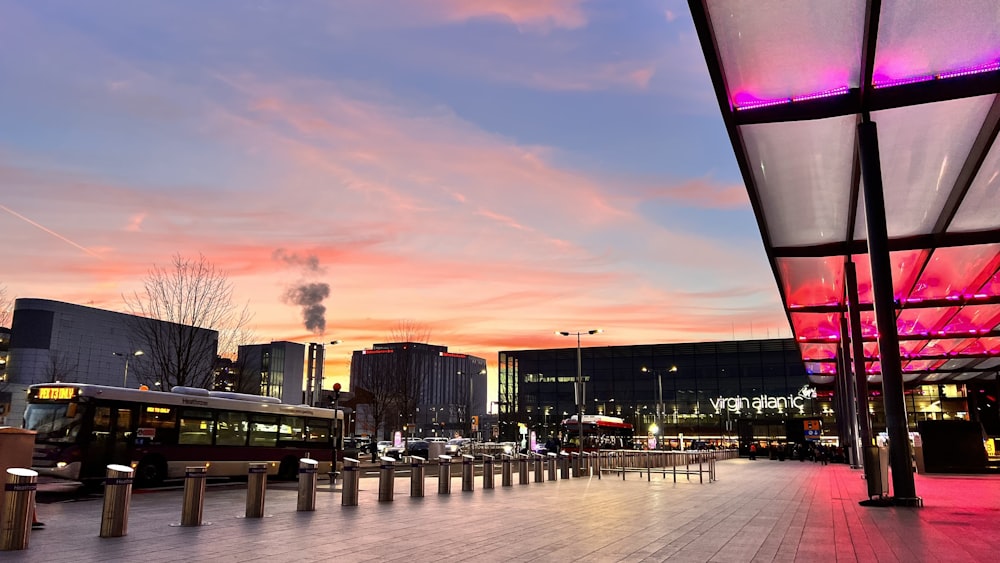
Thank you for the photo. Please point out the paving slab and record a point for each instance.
(756, 511)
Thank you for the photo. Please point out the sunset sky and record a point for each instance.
(493, 170)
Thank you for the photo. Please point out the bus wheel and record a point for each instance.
(289, 469)
(151, 472)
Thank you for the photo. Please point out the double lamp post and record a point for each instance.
(579, 389)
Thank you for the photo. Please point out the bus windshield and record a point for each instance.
(54, 422)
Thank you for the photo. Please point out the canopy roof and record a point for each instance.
(793, 80)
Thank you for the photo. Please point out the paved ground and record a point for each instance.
(756, 511)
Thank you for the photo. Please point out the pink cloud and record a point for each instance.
(540, 15)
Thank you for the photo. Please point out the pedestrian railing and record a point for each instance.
(687, 464)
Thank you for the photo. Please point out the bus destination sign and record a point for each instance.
(56, 393)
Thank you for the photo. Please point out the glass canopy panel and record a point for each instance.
(920, 365)
(957, 364)
(826, 368)
(966, 376)
(992, 344)
(916, 37)
(936, 377)
(815, 351)
(906, 265)
(980, 210)
(923, 321)
(990, 363)
(956, 271)
(774, 49)
(871, 349)
(922, 150)
(802, 170)
(816, 325)
(991, 287)
(868, 329)
(816, 379)
(812, 281)
(911, 347)
(911, 377)
(978, 318)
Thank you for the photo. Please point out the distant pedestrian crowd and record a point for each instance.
(802, 451)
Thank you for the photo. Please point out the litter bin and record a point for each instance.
(16, 448)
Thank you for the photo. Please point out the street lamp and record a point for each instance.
(659, 404)
(127, 357)
(579, 386)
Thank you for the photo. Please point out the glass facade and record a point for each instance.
(704, 391)
(713, 392)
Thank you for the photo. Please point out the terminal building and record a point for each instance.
(710, 392)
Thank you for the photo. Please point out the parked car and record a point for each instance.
(383, 445)
(457, 446)
(419, 448)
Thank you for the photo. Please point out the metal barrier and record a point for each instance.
(505, 473)
(416, 476)
(307, 485)
(522, 469)
(551, 463)
(468, 470)
(192, 506)
(488, 471)
(537, 460)
(18, 502)
(685, 463)
(256, 489)
(444, 474)
(563, 465)
(352, 475)
(386, 478)
(117, 495)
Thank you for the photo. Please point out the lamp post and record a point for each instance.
(659, 403)
(338, 434)
(579, 387)
(127, 357)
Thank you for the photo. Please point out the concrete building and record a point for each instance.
(57, 341)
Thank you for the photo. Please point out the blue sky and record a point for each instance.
(495, 171)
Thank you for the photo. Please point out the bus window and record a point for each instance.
(264, 430)
(54, 422)
(232, 429)
(290, 429)
(157, 422)
(196, 427)
(318, 430)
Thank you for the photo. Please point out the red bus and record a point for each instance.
(82, 428)
(599, 433)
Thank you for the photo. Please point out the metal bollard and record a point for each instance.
(596, 468)
(551, 463)
(18, 502)
(386, 479)
(585, 464)
(256, 488)
(522, 469)
(307, 485)
(539, 476)
(468, 470)
(505, 474)
(117, 494)
(444, 474)
(575, 460)
(488, 472)
(195, 478)
(416, 476)
(352, 475)
(563, 465)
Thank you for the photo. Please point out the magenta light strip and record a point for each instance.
(966, 71)
(800, 98)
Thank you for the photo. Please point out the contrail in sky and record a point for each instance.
(50, 231)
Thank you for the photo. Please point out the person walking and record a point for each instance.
(753, 452)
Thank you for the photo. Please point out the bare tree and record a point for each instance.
(60, 368)
(6, 306)
(378, 388)
(408, 379)
(195, 302)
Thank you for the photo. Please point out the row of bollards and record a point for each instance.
(558, 468)
(20, 487)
